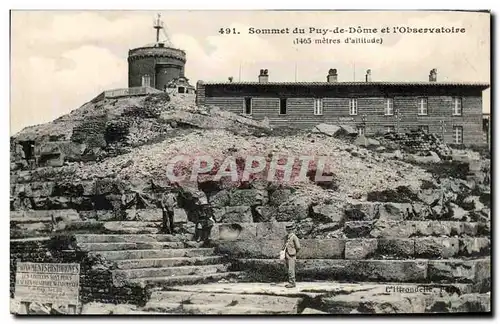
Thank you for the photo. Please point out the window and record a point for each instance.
(318, 106)
(146, 81)
(457, 106)
(422, 106)
(248, 106)
(424, 128)
(389, 107)
(361, 130)
(458, 134)
(389, 129)
(283, 106)
(181, 89)
(353, 106)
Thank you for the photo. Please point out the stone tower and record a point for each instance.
(158, 65)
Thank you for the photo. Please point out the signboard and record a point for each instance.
(55, 283)
(343, 119)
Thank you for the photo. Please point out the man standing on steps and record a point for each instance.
(167, 216)
(291, 247)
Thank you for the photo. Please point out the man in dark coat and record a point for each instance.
(291, 247)
(167, 217)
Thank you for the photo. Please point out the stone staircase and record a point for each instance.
(213, 303)
(156, 260)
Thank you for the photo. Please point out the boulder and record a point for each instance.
(42, 189)
(397, 154)
(358, 229)
(458, 213)
(362, 140)
(328, 213)
(235, 231)
(110, 186)
(437, 228)
(392, 229)
(248, 197)
(436, 247)
(356, 249)
(374, 301)
(395, 211)
(266, 213)
(432, 158)
(475, 246)
(321, 249)
(327, 129)
(270, 230)
(108, 215)
(474, 202)
(233, 214)
(396, 248)
(296, 208)
(279, 196)
(349, 130)
(420, 211)
(65, 216)
(220, 199)
(430, 196)
(452, 271)
(467, 303)
(364, 211)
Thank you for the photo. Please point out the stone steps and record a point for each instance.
(325, 297)
(278, 303)
(152, 254)
(170, 271)
(125, 238)
(164, 282)
(121, 246)
(476, 271)
(364, 248)
(211, 309)
(168, 262)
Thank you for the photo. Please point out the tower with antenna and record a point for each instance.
(159, 65)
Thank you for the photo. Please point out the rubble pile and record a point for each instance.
(415, 142)
(378, 218)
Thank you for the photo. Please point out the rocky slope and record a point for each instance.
(403, 208)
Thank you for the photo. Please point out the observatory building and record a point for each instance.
(158, 65)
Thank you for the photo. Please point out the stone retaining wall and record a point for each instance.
(95, 275)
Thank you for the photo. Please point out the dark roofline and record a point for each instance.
(350, 83)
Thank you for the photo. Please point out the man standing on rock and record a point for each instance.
(291, 247)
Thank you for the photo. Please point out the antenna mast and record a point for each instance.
(158, 24)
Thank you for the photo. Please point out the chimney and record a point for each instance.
(263, 76)
(332, 75)
(433, 75)
(368, 77)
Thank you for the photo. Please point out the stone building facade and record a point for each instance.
(452, 110)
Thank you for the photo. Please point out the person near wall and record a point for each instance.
(289, 252)
(208, 223)
(167, 216)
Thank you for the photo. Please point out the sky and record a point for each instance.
(62, 59)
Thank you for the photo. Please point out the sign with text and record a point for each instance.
(48, 282)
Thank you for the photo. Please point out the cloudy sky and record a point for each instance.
(62, 59)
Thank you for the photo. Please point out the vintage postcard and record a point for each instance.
(250, 162)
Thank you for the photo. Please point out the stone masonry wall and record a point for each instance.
(95, 275)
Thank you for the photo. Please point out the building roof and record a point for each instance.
(352, 83)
